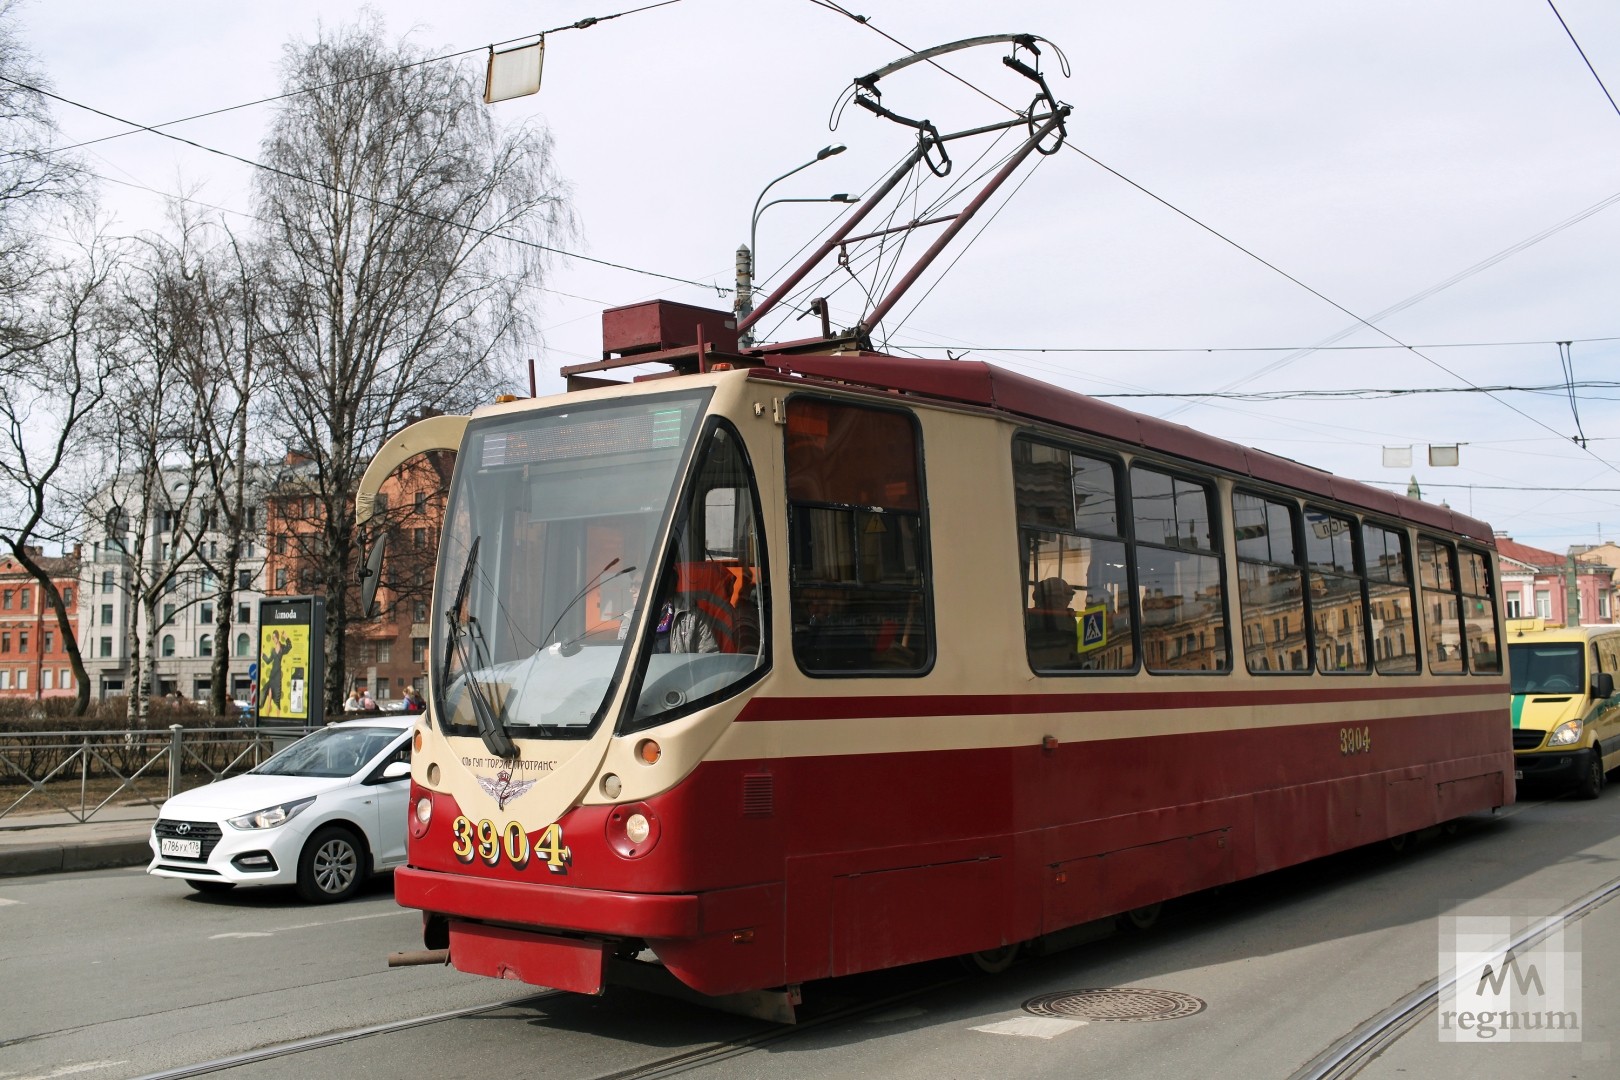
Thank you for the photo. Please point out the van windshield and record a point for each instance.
(1552, 668)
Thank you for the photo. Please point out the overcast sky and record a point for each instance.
(1371, 150)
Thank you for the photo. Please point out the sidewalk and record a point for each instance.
(52, 841)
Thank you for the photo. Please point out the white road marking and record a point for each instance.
(5, 903)
(306, 926)
(1039, 1027)
(65, 1070)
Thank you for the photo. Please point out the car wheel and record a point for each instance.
(211, 886)
(332, 866)
(1591, 785)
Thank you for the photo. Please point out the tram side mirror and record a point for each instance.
(371, 576)
(1602, 685)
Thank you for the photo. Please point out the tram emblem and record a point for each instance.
(502, 788)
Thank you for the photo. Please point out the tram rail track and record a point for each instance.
(1349, 1055)
(669, 1065)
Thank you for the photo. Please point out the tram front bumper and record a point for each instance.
(551, 907)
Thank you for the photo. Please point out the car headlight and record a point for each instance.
(1564, 734)
(271, 816)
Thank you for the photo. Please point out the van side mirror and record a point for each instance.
(1602, 685)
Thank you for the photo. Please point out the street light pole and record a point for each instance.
(745, 256)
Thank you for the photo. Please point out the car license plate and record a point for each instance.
(180, 849)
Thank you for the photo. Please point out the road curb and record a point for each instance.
(56, 858)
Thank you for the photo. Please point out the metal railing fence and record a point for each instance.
(71, 771)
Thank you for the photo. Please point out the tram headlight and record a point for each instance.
(1564, 734)
(633, 830)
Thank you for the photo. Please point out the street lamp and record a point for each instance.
(745, 257)
(753, 228)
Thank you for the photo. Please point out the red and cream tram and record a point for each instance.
(797, 664)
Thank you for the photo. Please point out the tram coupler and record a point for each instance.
(418, 958)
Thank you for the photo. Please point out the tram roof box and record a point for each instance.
(656, 325)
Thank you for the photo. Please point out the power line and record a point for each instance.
(1273, 348)
(581, 24)
(490, 233)
(864, 21)
(1582, 51)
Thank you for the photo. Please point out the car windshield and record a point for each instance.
(552, 520)
(1553, 668)
(331, 752)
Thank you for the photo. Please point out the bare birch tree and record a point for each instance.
(401, 224)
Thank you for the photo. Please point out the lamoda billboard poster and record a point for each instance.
(291, 654)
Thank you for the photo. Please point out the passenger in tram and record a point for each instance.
(1049, 625)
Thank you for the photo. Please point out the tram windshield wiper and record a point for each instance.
(462, 630)
(563, 646)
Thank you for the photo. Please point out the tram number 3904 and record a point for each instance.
(1355, 740)
(490, 843)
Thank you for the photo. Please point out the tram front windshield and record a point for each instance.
(552, 519)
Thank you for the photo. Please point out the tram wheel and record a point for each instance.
(1400, 842)
(991, 961)
(1591, 785)
(1142, 918)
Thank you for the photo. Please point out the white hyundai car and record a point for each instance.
(322, 814)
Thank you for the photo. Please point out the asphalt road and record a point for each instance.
(111, 974)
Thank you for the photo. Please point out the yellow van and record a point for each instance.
(1566, 718)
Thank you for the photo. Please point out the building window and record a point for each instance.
(22, 678)
(6, 603)
(67, 597)
(168, 645)
(244, 579)
(205, 645)
(22, 641)
(168, 614)
(65, 678)
(206, 615)
(385, 652)
(23, 599)
(49, 645)
(106, 581)
(5, 679)
(1514, 605)
(1603, 605)
(45, 678)
(421, 501)
(418, 540)
(419, 611)
(1543, 604)
(244, 614)
(106, 648)
(419, 650)
(281, 578)
(242, 645)
(5, 642)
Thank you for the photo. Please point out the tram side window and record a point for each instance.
(1077, 595)
(858, 540)
(1271, 584)
(1479, 613)
(1178, 573)
(1338, 611)
(1442, 623)
(1390, 601)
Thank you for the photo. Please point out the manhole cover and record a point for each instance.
(1121, 1004)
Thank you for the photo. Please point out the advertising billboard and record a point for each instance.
(292, 649)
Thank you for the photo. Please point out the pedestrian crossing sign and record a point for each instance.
(1092, 628)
